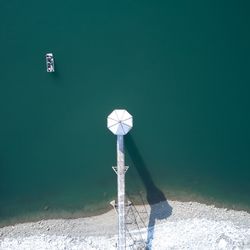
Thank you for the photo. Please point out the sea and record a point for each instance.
(180, 68)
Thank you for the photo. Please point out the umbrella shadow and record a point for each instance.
(159, 206)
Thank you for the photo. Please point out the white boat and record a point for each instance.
(50, 63)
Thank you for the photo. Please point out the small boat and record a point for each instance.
(50, 63)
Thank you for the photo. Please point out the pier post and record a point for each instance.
(121, 193)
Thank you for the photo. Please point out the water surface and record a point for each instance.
(181, 69)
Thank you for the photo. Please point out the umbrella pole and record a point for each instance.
(120, 122)
(121, 169)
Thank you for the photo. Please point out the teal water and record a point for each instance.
(181, 69)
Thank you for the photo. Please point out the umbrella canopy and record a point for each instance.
(120, 122)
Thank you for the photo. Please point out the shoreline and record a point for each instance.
(198, 225)
(49, 214)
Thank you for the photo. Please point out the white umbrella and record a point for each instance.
(120, 122)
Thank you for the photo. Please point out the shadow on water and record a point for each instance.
(55, 75)
(159, 207)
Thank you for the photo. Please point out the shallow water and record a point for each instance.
(180, 69)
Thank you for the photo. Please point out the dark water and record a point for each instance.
(181, 69)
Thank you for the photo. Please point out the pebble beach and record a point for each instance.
(190, 225)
